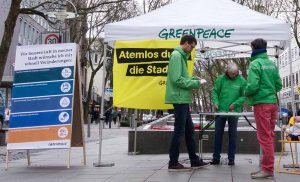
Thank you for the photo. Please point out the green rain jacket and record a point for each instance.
(263, 81)
(228, 91)
(179, 83)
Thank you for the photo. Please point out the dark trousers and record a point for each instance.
(183, 126)
(219, 131)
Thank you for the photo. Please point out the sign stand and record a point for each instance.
(70, 134)
(99, 163)
(78, 139)
(69, 159)
(28, 157)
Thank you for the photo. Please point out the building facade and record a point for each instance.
(28, 31)
(287, 79)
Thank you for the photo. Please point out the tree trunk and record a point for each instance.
(10, 24)
(88, 99)
(204, 99)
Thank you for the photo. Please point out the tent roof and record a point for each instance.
(218, 24)
(200, 14)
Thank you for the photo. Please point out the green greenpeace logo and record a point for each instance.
(198, 33)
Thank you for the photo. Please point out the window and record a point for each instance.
(33, 35)
(287, 82)
(28, 31)
(294, 78)
(24, 29)
(96, 59)
(279, 59)
(283, 82)
(297, 79)
(21, 28)
(285, 56)
(292, 51)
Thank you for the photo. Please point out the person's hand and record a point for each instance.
(283, 127)
(216, 106)
(231, 107)
(202, 81)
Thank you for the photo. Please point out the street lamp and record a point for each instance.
(57, 11)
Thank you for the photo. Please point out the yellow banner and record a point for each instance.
(140, 73)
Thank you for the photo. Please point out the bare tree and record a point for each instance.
(97, 19)
(290, 9)
(39, 8)
(150, 5)
(268, 7)
(10, 24)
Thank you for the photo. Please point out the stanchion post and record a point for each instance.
(118, 122)
(28, 157)
(6, 163)
(135, 133)
(99, 163)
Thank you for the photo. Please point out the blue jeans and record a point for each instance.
(183, 126)
(232, 133)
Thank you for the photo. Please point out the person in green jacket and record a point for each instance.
(227, 96)
(263, 84)
(179, 93)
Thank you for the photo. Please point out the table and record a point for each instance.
(202, 129)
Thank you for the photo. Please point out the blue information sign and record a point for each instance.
(42, 97)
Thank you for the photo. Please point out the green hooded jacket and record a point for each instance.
(179, 83)
(228, 91)
(263, 81)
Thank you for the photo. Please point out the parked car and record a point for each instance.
(147, 118)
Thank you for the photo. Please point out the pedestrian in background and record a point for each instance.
(263, 84)
(114, 116)
(95, 115)
(179, 93)
(108, 116)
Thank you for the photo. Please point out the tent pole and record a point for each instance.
(279, 98)
(292, 80)
(99, 163)
(292, 90)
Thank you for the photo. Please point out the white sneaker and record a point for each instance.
(261, 175)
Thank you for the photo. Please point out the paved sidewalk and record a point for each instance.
(50, 165)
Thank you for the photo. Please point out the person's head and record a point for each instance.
(188, 43)
(232, 70)
(259, 44)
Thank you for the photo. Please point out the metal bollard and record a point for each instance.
(89, 125)
(118, 122)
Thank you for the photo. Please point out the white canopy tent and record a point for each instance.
(217, 24)
(221, 24)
